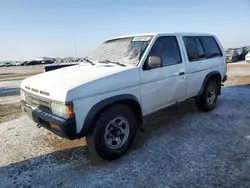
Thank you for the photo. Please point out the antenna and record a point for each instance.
(74, 40)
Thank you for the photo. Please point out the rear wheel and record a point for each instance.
(114, 132)
(207, 100)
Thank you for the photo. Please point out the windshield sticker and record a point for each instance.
(141, 38)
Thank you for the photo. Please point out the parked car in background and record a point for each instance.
(58, 66)
(24, 63)
(18, 63)
(47, 62)
(7, 64)
(33, 63)
(232, 56)
(242, 53)
(247, 57)
(125, 79)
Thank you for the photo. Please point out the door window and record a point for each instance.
(167, 49)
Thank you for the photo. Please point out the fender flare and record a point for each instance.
(209, 75)
(98, 107)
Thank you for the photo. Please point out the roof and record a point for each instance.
(175, 33)
(135, 35)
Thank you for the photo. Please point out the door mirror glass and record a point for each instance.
(154, 62)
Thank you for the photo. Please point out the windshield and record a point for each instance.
(124, 50)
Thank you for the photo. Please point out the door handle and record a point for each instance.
(181, 73)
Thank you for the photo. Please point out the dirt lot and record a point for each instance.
(179, 147)
(10, 80)
(9, 112)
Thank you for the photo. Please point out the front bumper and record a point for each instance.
(67, 128)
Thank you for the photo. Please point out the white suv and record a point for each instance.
(126, 78)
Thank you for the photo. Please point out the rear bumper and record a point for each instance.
(224, 78)
(66, 128)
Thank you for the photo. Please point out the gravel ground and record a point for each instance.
(9, 100)
(4, 71)
(179, 147)
(10, 111)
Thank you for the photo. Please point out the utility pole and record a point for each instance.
(74, 40)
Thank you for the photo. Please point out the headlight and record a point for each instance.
(61, 110)
(22, 93)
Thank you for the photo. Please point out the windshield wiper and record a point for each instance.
(89, 61)
(117, 63)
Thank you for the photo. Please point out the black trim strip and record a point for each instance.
(88, 122)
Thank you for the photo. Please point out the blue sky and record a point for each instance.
(33, 28)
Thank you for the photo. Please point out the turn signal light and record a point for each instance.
(70, 111)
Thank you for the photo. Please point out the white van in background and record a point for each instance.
(247, 57)
(123, 80)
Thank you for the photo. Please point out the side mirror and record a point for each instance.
(154, 62)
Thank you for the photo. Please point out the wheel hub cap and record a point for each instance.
(210, 95)
(116, 133)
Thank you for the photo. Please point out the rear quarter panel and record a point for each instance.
(196, 71)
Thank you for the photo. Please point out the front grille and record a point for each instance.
(37, 101)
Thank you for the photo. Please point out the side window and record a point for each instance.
(191, 48)
(201, 52)
(210, 46)
(194, 48)
(167, 49)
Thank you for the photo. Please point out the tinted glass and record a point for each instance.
(167, 49)
(199, 47)
(191, 48)
(210, 46)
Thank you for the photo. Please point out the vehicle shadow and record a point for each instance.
(5, 91)
(247, 86)
(163, 118)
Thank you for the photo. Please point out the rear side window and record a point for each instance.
(200, 49)
(194, 48)
(167, 49)
(210, 46)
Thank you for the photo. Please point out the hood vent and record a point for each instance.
(26, 87)
(44, 93)
(34, 90)
(37, 91)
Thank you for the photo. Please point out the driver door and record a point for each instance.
(164, 85)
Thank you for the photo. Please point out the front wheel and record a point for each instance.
(114, 132)
(207, 100)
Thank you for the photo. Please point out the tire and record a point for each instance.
(110, 140)
(202, 102)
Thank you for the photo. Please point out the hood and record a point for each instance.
(55, 84)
